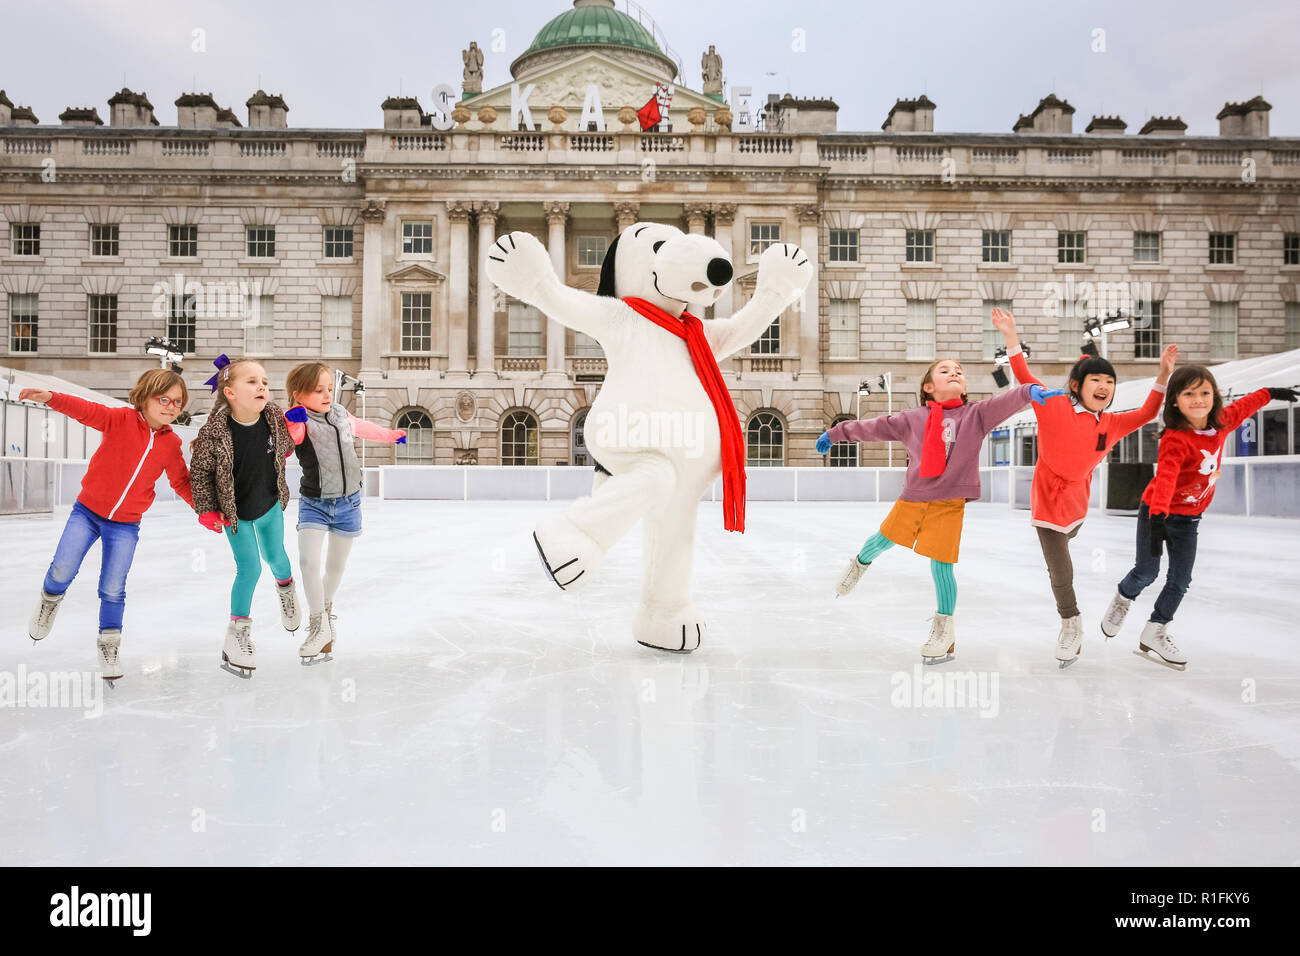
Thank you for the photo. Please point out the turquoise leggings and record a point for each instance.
(945, 582)
(255, 541)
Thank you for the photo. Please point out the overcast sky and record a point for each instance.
(982, 63)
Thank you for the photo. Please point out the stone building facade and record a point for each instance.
(365, 247)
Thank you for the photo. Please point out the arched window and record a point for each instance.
(418, 449)
(519, 439)
(843, 454)
(580, 454)
(764, 441)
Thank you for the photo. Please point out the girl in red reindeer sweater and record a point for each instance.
(1187, 468)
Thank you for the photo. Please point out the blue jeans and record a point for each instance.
(1180, 535)
(341, 516)
(83, 529)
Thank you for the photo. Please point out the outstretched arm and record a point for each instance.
(783, 273)
(519, 265)
(372, 432)
(1005, 323)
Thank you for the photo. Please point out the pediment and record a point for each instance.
(417, 274)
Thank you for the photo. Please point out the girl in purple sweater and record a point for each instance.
(942, 437)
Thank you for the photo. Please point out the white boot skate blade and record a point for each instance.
(1065, 664)
(245, 673)
(938, 660)
(312, 661)
(667, 650)
(1157, 659)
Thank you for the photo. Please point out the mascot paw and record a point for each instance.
(785, 270)
(518, 264)
(679, 629)
(568, 554)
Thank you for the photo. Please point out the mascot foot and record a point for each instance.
(568, 554)
(679, 629)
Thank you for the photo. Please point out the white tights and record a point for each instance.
(320, 588)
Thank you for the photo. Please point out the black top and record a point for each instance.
(256, 486)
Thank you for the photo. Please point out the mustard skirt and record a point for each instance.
(930, 528)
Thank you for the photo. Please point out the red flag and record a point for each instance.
(649, 114)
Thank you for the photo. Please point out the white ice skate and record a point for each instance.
(1156, 641)
(290, 616)
(42, 620)
(1113, 619)
(320, 641)
(851, 576)
(238, 655)
(1069, 644)
(566, 551)
(330, 618)
(109, 668)
(942, 643)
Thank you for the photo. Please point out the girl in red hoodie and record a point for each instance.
(1187, 468)
(1074, 437)
(138, 446)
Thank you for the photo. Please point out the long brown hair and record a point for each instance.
(1185, 377)
(157, 381)
(224, 377)
(303, 378)
(928, 379)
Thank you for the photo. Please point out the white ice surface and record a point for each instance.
(476, 714)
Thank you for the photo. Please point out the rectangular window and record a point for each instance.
(417, 321)
(26, 238)
(920, 245)
(1291, 335)
(261, 242)
(336, 326)
(762, 235)
(1071, 247)
(1147, 321)
(995, 245)
(920, 329)
(23, 322)
(992, 337)
(769, 343)
(1223, 331)
(183, 242)
(584, 346)
(102, 311)
(1277, 436)
(591, 250)
(524, 330)
(1069, 338)
(182, 321)
(1223, 248)
(417, 238)
(842, 319)
(1146, 247)
(844, 245)
(259, 325)
(103, 240)
(1291, 249)
(338, 242)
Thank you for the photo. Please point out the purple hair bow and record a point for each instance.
(221, 361)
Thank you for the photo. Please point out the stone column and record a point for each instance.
(557, 213)
(486, 357)
(724, 218)
(697, 217)
(809, 308)
(458, 213)
(374, 297)
(626, 213)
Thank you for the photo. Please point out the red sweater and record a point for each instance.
(1187, 467)
(1072, 442)
(124, 469)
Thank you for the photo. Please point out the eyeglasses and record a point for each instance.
(165, 402)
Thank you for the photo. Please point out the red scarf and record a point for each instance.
(933, 457)
(691, 329)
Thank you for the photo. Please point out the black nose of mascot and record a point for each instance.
(719, 271)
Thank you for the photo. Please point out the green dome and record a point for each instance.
(590, 23)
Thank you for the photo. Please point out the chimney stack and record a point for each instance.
(266, 111)
(403, 112)
(80, 116)
(1052, 115)
(130, 109)
(1244, 119)
(910, 116)
(1163, 126)
(1106, 124)
(6, 109)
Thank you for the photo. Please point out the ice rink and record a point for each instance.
(475, 714)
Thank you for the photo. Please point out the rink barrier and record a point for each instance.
(1252, 487)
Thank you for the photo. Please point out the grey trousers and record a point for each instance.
(1056, 551)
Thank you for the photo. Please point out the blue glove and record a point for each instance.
(402, 440)
(824, 443)
(1040, 395)
(296, 414)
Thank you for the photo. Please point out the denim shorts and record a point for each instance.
(341, 516)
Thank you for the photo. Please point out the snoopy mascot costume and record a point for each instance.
(663, 426)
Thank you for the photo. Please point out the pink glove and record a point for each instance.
(214, 521)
